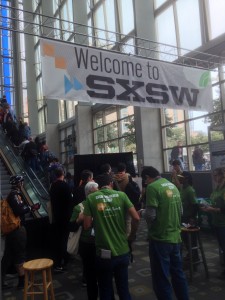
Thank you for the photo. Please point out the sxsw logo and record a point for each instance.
(74, 84)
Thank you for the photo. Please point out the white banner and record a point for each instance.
(80, 73)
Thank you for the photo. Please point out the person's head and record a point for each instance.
(104, 180)
(185, 178)
(106, 168)
(86, 175)
(176, 165)
(16, 181)
(90, 187)
(121, 167)
(59, 173)
(149, 174)
(218, 175)
(179, 143)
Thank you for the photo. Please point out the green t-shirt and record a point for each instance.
(165, 197)
(188, 198)
(218, 200)
(108, 209)
(86, 235)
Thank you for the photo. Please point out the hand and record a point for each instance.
(80, 218)
(36, 206)
(140, 212)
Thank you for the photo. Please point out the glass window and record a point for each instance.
(217, 17)
(166, 35)
(190, 36)
(216, 98)
(110, 114)
(55, 4)
(126, 111)
(173, 134)
(128, 47)
(198, 131)
(98, 119)
(99, 135)
(57, 29)
(24, 73)
(62, 111)
(128, 144)
(112, 131)
(70, 108)
(67, 15)
(173, 116)
(112, 146)
(126, 16)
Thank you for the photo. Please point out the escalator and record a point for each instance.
(37, 223)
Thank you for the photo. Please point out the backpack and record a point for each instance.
(133, 192)
(9, 221)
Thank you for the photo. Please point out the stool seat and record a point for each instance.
(38, 264)
(42, 265)
(190, 229)
(194, 232)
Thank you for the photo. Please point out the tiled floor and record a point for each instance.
(68, 286)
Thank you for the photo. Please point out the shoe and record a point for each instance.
(84, 283)
(59, 270)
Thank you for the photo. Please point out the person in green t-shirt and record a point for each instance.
(217, 209)
(87, 245)
(163, 216)
(107, 209)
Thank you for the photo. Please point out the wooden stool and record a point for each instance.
(42, 265)
(190, 232)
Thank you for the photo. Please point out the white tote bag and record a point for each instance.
(74, 237)
(73, 241)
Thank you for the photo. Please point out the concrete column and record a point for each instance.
(31, 76)
(84, 129)
(147, 120)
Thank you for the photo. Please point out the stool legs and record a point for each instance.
(25, 286)
(29, 285)
(203, 255)
(190, 256)
(192, 248)
(51, 284)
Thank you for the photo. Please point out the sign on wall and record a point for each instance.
(74, 72)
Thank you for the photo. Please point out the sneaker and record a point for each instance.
(84, 283)
(59, 270)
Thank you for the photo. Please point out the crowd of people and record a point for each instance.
(105, 242)
(109, 222)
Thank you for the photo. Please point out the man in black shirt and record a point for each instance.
(61, 202)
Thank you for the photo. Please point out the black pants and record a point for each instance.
(88, 255)
(15, 249)
(59, 238)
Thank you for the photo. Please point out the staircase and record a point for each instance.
(4, 180)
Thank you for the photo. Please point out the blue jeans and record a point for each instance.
(167, 272)
(116, 267)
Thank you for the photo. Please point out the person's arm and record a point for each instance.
(134, 223)
(149, 214)
(87, 222)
